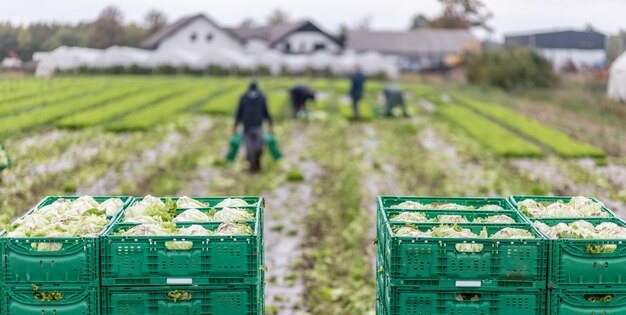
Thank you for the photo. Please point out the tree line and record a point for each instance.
(108, 29)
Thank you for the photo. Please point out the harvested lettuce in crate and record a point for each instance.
(577, 207)
(582, 229)
(442, 206)
(185, 202)
(83, 217)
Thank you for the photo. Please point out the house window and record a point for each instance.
(287, 47)
(209, 37)
(319, 46)
(193, 36)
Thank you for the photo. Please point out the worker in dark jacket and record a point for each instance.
(300, 94)
(251, 112)
(356, 90)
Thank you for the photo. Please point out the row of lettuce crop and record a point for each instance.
(553, 139)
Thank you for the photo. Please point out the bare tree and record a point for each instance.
(463, 14)
(108, 29)
(248, 23)
(154, 21)
(277, 17)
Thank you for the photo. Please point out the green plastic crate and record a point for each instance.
(76, 263)
(200, 300)
(574, 302)
(437, 262)
(572, 266)
(385, 203)
(75, 301)
(407, 300)
(381, 307)
(145, 260)
(546, 200)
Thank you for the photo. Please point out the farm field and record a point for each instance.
(169, 135)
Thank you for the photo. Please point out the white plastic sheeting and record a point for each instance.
(617, 79)
(67, 58)
(120, 56)
(11, 62)
(175, 58)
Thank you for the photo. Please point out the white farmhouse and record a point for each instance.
(303, 37)
(197, 33)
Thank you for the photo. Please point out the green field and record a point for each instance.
(169, 135)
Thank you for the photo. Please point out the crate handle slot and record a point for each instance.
(467, 297)
(178, 295)
(179, 245)
(597, 249)
(46, 247)
(49, 296)
(468, 248)
(599, 298)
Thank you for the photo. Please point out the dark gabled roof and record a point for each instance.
(421, 41)
(155, 39)
(273, 34)
(558, 39)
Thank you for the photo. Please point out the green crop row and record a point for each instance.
(555, 140)
(20, 93)
(498, 139)
(150, 116)
(52, 111)
(224, 103)
(111, 110)
(13, 107)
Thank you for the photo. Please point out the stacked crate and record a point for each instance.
(576, 276)
(70, 275)
(215, 275)
(431, 276)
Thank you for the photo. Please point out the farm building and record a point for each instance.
(194, 33)
(582, 49)
(617, 79)
(418, 50)
(303, 37)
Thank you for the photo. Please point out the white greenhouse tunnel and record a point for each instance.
(617, 79)
(69, 58)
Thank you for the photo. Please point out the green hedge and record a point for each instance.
(510, 69)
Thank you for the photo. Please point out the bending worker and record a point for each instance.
(251, 112)
(300, 94)
(394, 98)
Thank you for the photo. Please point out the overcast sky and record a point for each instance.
(509, 15)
